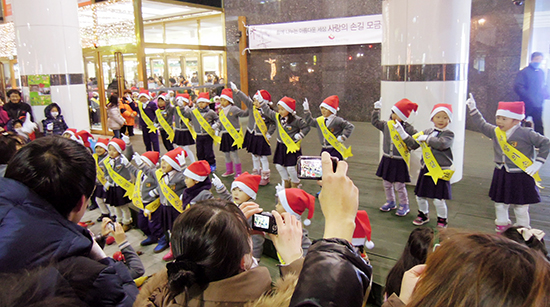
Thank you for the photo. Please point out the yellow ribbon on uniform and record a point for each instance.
(291, 146)
(165, 125)
(170, 195)
(516, 156)
(206, 126)
(99, 174)
(434, 169)
(136, 198)
(260, 123)
(146, 119)
(332, 140)
(399, 143)
(118, 179)
(237, 136)
(187, 124)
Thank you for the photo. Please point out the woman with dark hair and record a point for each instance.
(15, 107)
(10, 143)
(115, 120)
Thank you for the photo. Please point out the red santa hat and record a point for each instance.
(262, 96)
(71, 132)
(203, 97)
(331, 103)
(198, 170)
(144, 93)
(288, 104)
(227, 94)
(84, 137)
(248, 183)
(403, 108)
(118, 144)
(176, 158)
(514, 109)
(362, 233)
(150, 157)
(442, 107)
(184, 97)
(103, 143)
(162, 96)
(296, 201)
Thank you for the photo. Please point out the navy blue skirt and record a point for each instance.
(393, 170)
(283, 158)
(168, 215)
(513, 188)
(425, 187)
(115, 197)
(183, 138)
(227, 142)
(247, 137)
(99, 192)
(333, 153)
(257, 145)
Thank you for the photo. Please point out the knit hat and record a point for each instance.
(118, 144)
(203, 97)
(247, 183)
(145, 93)
(84, 137)
(296, 201)
(262, 96)
(403, 108)
(103, 143)
(362, 233)
(288, 104)
(331, 103)
(514, 110)
(445, 107)
(184, 97)
(198, 170)
(150, 157)
(176, 158)
(227, 94)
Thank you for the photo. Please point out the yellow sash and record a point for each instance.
(170, 195)
(399, 144)
(434, 169)
(237, 136)
(291, 146)
(187, 124)
(138, 201)
(519, 159)
(154, 205)
(146, 119)
(165, 125)
(332, 140)
(206, 126)
(118, 179)
(260, 123)
(99, 174)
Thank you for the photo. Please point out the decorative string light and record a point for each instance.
(7, 40)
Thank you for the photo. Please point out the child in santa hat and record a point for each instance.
(362, 233)
(164, 112)
(184, 137)
(393, 167)
(339, 128)
(101, 147)
(438, 141)
(296, 201)
(147, 109)
(292, 129)
(514, 181)
(255, 141)
(205, 135)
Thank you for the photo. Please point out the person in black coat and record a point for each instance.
(15, 107)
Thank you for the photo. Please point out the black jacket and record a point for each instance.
(16, 110)
(530, 87)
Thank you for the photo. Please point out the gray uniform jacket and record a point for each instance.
(252, 127)
(298, 125)
(117, 167)
(387, 144)
(176, 183)
(99, 161)
(523, 139)
(148, 183)
(210, 116)
(132, 260)
(440, 145)
(167, 114)
(233, 113)
(338, 126)
(203, 195)
(179, 123)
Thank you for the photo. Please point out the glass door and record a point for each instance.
(94, 92)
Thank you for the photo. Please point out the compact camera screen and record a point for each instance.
(261, 221)
(265, 222)
(309, 167)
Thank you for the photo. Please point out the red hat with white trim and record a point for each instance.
(227, 94)
(442, 107)
(288, 104)
(176, 158)
(184, 97)
(514, 109)
(150, 157)
(145, 93)
(118, 144)
(262, 96)
(363, 230)
(163, 97)
(103, 143)
(71, 132)
(248, 183)
(85, 137)
(331, 103)
(296, 201)
(203, 97)
(198, 170)
(403, 108)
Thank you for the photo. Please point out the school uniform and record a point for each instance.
(204, 141)
(150, 139)
(115, 194)
(176, 181)
(168, 115)
(232, 113)
(254, 141)
(182, 134)
(99, 192)
(336, 125)
(151, 226)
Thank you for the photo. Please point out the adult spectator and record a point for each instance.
(129, 112)
(44, 195)
(4, 117)
(15, 107)
(115, 120)
(531, 88)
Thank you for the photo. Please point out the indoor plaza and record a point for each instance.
(395, 67)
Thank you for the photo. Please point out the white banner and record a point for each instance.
(324, 32)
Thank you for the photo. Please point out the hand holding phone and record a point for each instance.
(264, 222)
(311, 167)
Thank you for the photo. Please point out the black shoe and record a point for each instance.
(100, 218)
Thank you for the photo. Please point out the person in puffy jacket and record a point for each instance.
(129, 112)
(115, 120)
(54, 123)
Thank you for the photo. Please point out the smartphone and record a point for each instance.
(111, 226)
(265, 222)
(310, 167)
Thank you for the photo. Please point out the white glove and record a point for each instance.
(279, 187)
(297, 137)
(341, 139)
(124, 160)
(179, 102)
(233, 86)
(434, 134)
(126, 139)
(215, 126)
(181, 158)
(137, 158)
(378, 104)
(268, 136)
(306, 105)
(49, 126)
(106, 186)
(153, 193)
(157, 126)
(471, 102)
(400, 130)
(217, 182)
(217, 132)
(422, 138)
(146, 213)
(534, 168)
